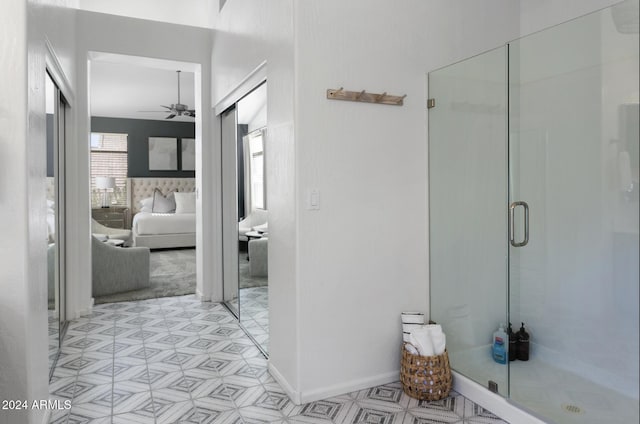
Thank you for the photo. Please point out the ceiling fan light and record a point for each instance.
(179, 109)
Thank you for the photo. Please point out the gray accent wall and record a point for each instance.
(139, 131)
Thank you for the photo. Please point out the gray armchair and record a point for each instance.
(258, 257)
(118, 269)
(114, 233)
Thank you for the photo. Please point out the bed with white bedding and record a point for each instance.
(161, 227)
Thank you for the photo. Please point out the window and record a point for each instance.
(256, 156)
(109, 159)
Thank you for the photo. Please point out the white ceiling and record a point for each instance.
(121, 87)
(252, 109)
(134, 87)
(183, 12)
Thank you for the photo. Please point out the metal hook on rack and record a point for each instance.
(380, 97)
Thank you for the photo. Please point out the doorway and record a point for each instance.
(145, 128)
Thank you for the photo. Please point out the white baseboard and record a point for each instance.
(293, 394)
(300, 398)
(491, 401)
(349, 386)
(201, 297)
(461, 384)
(84, 311)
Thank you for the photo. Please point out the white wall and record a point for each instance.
(541, 14)
(14, 278)
(23, 280)
(247, 33)
(157, 40)
(184, 12)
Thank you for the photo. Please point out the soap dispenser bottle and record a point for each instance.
(499, 348)
(513, 343)
(523, 345)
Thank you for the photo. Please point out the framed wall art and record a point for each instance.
(188, 154)
(163, 154)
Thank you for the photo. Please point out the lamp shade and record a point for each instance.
(104, 183)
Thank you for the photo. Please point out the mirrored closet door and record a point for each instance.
(245, 213)
(229, 209)
(55, 130)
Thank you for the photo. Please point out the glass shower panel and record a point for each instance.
(574, 160)
(468, 220)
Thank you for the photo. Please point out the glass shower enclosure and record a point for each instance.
(533, 188)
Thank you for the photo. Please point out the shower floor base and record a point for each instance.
(549, 392)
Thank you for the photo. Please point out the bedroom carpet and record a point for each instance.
(173, 273)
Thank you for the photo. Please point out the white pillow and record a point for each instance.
(146, 203)
(185, 202)
(162, 204)
(146, 209)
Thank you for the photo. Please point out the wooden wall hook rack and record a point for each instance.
(364, 97)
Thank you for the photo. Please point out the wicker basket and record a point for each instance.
(425, 377)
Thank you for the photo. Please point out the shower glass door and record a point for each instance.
(542, 228)
(573, 162)
(468, 220)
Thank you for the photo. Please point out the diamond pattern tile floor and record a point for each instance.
(177, 360)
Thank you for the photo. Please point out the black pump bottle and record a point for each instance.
(523, 344)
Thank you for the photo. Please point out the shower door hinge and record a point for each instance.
(493, 386)
(431, 103)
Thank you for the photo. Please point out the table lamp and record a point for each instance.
(105, 183)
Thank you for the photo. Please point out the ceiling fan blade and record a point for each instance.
(150, 111)
(191, 113)
(173, 115)
(168, 107)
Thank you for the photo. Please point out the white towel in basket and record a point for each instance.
(429, 340)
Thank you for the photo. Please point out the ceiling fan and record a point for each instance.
(176, 109)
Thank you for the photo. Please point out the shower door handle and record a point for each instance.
(512, 224)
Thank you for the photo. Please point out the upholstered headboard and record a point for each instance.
(141, 188)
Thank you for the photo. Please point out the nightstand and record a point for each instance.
(113, 217)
